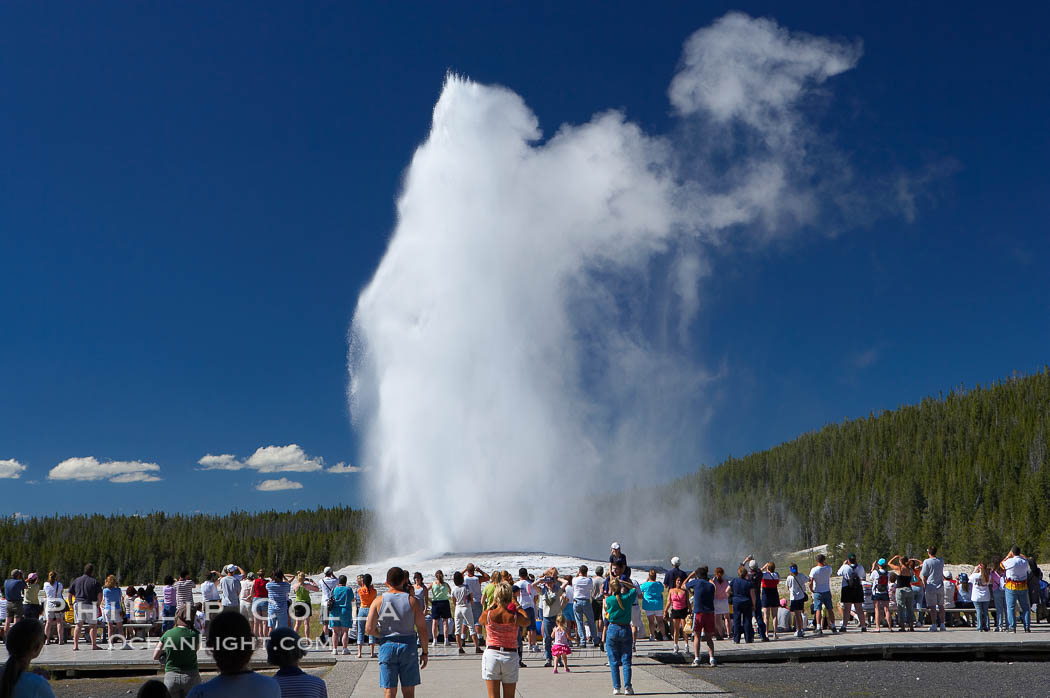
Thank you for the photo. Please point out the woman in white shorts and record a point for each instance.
(499, 664)
(54, 608)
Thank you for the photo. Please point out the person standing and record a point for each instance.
(743, 597)
(472, 578)
(54, 607)
(1016, 567)
(440, 607)
(114, 608)
(245, 601)
(13, 588)
(366, 594)
(771, 595)
(703, 613)
(341, 615)
(722, 619)
(616, 556)
(903, 576)
(596, 604)
(328, 583)
(87, 593)
(997, 575)
(397, 621)
(278, 591)
(211, 597)
(31, 606)
(618, 638)
(880, 593)
(677, 609)
(981, 595)
(178, 647)
(526, 599)
(852, 574)
(754, 576)
(932, 576)
(820, 585)
(503, 623)
(653, 605)
(552, 603)
(582, 592)
(674, 573)
(302, 607)
(260, 604)
(796, 586)
(230, 588)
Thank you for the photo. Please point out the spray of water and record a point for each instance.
(524, 344)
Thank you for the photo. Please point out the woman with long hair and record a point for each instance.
(366, 594)
(420, 591)
(54, 608)
(260, 604)
(770, 595)
(302, 608)
(341, 615)
(113, 611)
(981, 596)
(677, 609)
(499, 664)
(721, 603)
(618, 638)
(440, 608)
(24, 641)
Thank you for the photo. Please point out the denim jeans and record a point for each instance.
(758, 617)
(169, 618)
(618, 643)
(585, 614)
(361, 630)
(1014, 597)
(999, 596)
(982, 614)
(547, 628)
(742, 612)
(905, 607)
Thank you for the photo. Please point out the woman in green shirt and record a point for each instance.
(302, 609)
(618, 638)
(440, 609)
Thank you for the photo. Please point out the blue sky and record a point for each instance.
(192, 198)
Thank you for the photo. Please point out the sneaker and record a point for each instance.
(943, 629)
(842, 629)
(548, 664)
(478, 650)
(933, 628)
(628, 691)
(818, 632)
(712, 661)
(864, 629)
(462, 651)
(696, 662)
(617, 692)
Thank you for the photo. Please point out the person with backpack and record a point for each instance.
(880, 592)
(902, 575)
(796, 585)
(852, 575)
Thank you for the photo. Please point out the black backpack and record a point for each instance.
(854, 579)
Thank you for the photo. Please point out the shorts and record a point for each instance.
(679, 613)
(636, 616)
(440, 610)
(705, 622)
(246, 609)
(86, 613)
(475, 609)
(530, 613)
(797, 605)
(113, 614)
(14, 609)
(852, 595)
(33, 611)
(212, 609)
(880, 596)
(259, 608)
(596, 609)
(770, 598)
(722, 606)
(499, 666)
(464, 619)
(398, 662)
(569, 612)
(821, 599)
(934, 596)
(301, 610)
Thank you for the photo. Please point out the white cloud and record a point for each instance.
(11, 469)
(267, 459)
(866, 358)
(342, 468)
(224, 462)
(89, 468)
(278, 485)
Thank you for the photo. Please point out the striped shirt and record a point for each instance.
(295, 683)
(278, 593)
(184, 591)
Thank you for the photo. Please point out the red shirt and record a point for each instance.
(259, 588)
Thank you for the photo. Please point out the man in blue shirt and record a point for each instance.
(704, 613)
(14, 587)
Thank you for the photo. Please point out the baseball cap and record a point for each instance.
(882, 561)
(615, 546)
(31, 577)
(231, 568)
(327, 570)
(793, 568)
(753, 564)
(676, 561)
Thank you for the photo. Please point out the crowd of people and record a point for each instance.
(499, 614)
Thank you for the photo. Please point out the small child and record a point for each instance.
(561, 648)
(198, 623)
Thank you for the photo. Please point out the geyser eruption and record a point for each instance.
(523, 346)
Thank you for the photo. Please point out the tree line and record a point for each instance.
(145, 548)
(968, 471)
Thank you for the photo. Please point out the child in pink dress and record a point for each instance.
(560, 648)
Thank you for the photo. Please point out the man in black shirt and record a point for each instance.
(88, 595)
(615, 556)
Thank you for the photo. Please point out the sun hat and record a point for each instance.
(753, 565)
(327, 570)
(676, 561)
(615, 546)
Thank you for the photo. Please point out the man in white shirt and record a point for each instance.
(527, 601)
(582, 593)
(820, 585)
(1016, 583)
(212, 598)
(328, 584)
(472, 579)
